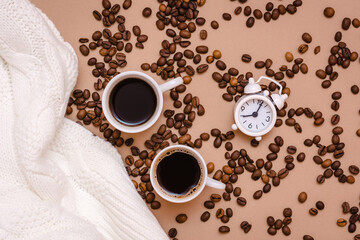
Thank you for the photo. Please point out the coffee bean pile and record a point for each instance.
(222, 137)
(179, 15)
(179, 20)
(111, 44)
(332, 168)
(270, 13)
(275, 225)
(353, 219)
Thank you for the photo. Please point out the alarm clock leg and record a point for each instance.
(234, 127)
(258, 138)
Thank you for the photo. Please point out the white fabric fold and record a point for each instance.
(57, 180)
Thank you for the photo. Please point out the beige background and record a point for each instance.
(265, 40)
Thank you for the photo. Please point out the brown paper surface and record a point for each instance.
(265, 40)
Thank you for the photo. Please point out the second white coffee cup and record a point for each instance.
(158, 89)
(197, 188)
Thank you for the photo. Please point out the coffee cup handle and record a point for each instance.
(171, 84)
(215, 183)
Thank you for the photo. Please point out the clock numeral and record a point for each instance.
(242, 108)
(250, 126)
(267, 119)
(259, 102)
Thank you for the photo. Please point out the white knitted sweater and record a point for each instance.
(57, 181)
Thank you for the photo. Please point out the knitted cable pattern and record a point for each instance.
(57, 181)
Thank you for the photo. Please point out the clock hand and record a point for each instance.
(246, 115)
(259, 107)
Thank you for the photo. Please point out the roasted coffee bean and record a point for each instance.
(336, 95)
(335, 119)
(328, 173)
(237, 191)
(321, 74)
(237, 10)
(205, 216)
(271, 156)
(286, 230)
(220, 65)
(287, 212)
(283, 173)
(300, 157)
(272, 231)
(224, 229)
(257, 14)
(317, 49)
(313, 211)
(326, 84)
(308, 237)
(209, 204)
(279, 141)
(127, 4)
(181, 218)
(354, 210)
(225, 219)
(155, 205)
(250, 22)
(346, 23)
(146, 12)
(306, 37)
(355, 89)
(150, 197)
(241, 201)
(337, 130)
(84, 50)
(246, 58)
(270, 221)
(291, 149)
(326, 163)
(278, 224)
(354, 169)
(202, 49)
(97, 15)
(172, 232)
(258, 194)
(303, 48)
(356, 23)
(352, 227)
(220, 213)
(215, 197)
(226, 16)
(202, 68)
(200, 21)
(289, 56)
(335, 105)
(214, 24)
(320, 205)
(302, 197)
(329, 12)
(203, 34)
(226, 196)
(341, 222)
(337, 38)
(276, 181)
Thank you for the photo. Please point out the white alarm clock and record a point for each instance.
(255, 112)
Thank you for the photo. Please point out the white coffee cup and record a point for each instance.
(159, 89)
(203, 180)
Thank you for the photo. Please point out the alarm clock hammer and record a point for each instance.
(255, 112)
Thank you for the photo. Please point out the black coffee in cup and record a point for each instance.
(133, 101)
(178, 173)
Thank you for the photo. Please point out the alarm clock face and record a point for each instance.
(256, 115)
